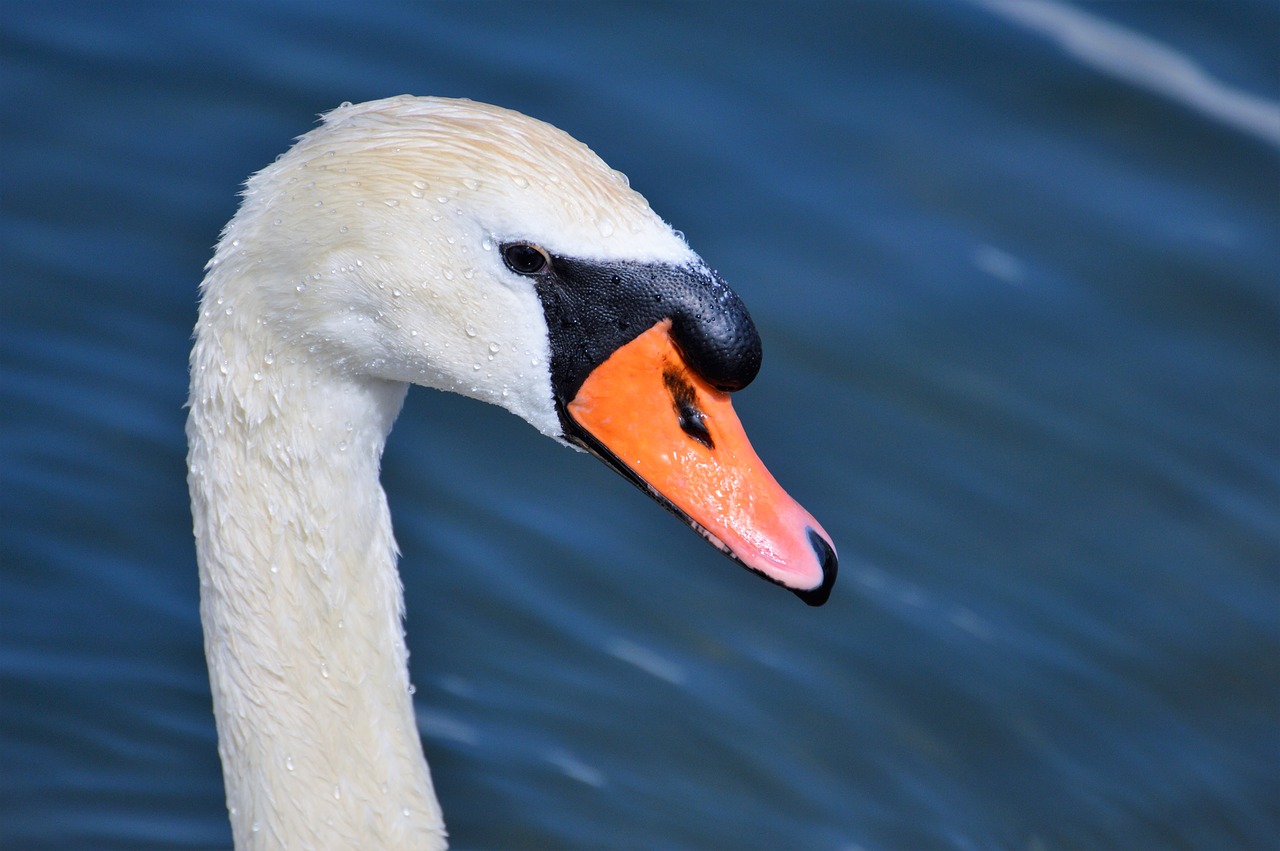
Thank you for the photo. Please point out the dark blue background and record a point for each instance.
(1017, 272)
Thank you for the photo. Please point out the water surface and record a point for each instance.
(1015, 267)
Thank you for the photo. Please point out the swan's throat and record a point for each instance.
(301, 604)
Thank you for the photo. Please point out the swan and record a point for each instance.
(467, 248)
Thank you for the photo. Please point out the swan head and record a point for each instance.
(473, 249)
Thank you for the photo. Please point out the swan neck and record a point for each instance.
(301, 600)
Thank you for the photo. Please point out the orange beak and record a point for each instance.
(653, 419)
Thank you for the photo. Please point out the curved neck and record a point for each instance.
(301, 602)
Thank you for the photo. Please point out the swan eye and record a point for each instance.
(524, 259)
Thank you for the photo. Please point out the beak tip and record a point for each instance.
(827, 558)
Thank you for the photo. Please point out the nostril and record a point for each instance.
(693, 423)
(689, 416)
(827, 558)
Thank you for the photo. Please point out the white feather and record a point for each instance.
(362, 260)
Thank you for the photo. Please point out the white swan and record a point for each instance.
(463, 247)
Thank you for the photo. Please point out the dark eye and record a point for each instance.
(524, 259)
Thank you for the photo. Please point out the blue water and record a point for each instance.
(1017, 271)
